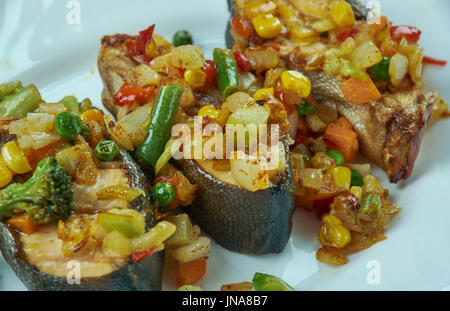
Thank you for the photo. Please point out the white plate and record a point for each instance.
(37, 45)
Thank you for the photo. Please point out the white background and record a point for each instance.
(38, 46)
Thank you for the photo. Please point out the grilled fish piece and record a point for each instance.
(240, 220)
(389, 130)
(144, 275)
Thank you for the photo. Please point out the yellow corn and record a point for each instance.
(302, 34)
(342, 14)
(264, 94)
(267, 26)
(15, 159)
(6, 175)
(286, 11)
(333, 233)
(223, 116)
(209, 111)
(93, 115)
(342, 176)
(195, 77)
(330, 219)
(356, 190)
(371, 184)
(253, 8)
(296, 82)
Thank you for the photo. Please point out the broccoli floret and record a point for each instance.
(46, 197)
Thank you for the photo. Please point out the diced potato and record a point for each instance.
(144, 75)
(398, 68)
(311, 178)
(323, 25)
(331, 255)
(363, 169)
(188, 57)
(262, 58)
(315, 123)
(253, 114)
(250, 174)
(237, 100)
(366, 55)
(117, 242)
(199, 249)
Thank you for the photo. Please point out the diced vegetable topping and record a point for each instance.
(106, 150)
(370, 206)
(342, 14)
(267, 26)
(6, 175)
(15, 159)
(182, 37)
(195, 77)
(242, 62)
(266, 282)
(17, 103)
(126, 221)
(296, 82)
(227, 78)
(304, 108)
(434, 61)
(412, 34)
(357, 179)
(68, 125)
(129, 94)
(381, 70)
(337, 156)
(333, 233)
(164, 193)
(161, 121)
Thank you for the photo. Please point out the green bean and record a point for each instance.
(161, 121)
(71, 103)
(227, 73)
(9, 88)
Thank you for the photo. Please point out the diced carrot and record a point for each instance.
(357, 91)
(191, 272)
(343, 122)
(342, 139)
(24, 224)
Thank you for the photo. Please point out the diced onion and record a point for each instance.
(199, 249)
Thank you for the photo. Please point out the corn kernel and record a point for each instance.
(15, 158)
(330, 219)
(209, 111)
(6, 175)
(286, 11)
(253, 8)
(267, 26)
(334, 235)
(296, 82)
(195, 77)
(93, 115)
(302, 34)
(342, 176)
(264, 94)
(371, 184)
(356, 190)
(223, 116)
(342, 14)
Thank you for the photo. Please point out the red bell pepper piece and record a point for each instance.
(343, 35)
(139, 256)
(411, 33)
(242, 62)
(283, 97)
(210, 70)
(242, 26)
(136, 45)
(129, 94)
(434, 61)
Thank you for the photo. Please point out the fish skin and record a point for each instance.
(247, 222)
(145, 275)
(389, 130)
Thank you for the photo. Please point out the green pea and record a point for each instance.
(85, 130)
(380, 71)
(164, 193)
(356, 179)
(68, 125)
(182, 37)
(337, 156)
(106, 150)
(304, 108)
